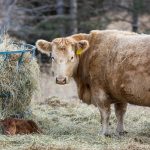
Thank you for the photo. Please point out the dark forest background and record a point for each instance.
(30, 20)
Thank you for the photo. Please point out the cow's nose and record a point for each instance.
(60, 80)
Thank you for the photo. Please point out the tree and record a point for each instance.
(6, 7)
(73, 16)
(60, 11)
(135, 14)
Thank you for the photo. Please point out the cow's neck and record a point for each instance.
(77, 79)
(79, 83)
(81, 71)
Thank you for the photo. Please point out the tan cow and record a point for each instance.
(108, 66)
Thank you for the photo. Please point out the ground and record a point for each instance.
(74, 125)
(69, 124)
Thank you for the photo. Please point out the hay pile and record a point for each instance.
(18, 82)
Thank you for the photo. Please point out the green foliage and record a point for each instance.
(92, 25)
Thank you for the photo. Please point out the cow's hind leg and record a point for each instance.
(120, 109)
(103, 104)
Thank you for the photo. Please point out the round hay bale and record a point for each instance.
(19, 76)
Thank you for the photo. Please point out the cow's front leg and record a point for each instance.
(105, 114)
(120, 109)
(103, 103)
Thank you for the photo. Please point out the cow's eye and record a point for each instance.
(52, 58)
(72, 58)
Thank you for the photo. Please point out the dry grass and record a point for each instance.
(73, 125)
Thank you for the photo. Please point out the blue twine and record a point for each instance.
(6, 54)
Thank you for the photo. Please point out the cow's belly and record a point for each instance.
(132, 87)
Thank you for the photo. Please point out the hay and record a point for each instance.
(17, 83)
(73, 125)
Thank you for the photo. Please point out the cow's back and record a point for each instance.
(120, 63)
(130, 72)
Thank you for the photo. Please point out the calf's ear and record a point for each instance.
(82, 46)
(44, 46)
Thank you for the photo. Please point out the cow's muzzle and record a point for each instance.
(60, 80)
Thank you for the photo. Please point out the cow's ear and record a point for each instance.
(82, 46)
(44, 46)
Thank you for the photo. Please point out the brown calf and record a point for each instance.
(12, 126)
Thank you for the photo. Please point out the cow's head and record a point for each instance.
(65, 55)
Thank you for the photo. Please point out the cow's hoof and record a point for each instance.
(107, 135)
(104, 134)
(122, 133)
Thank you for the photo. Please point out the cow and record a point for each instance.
(12, 126)
(109, 67)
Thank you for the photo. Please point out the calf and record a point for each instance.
(12, 126)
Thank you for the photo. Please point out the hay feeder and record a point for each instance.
(18, 78)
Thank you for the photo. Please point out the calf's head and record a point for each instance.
(9, 126)
(65, 56)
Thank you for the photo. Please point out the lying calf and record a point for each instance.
(12, 126)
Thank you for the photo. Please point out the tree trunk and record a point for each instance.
(60, 11)
(73, 16)
(6, 7)
(135, 15)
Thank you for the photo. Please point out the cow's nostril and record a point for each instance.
(61, 80)
(64, 81)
